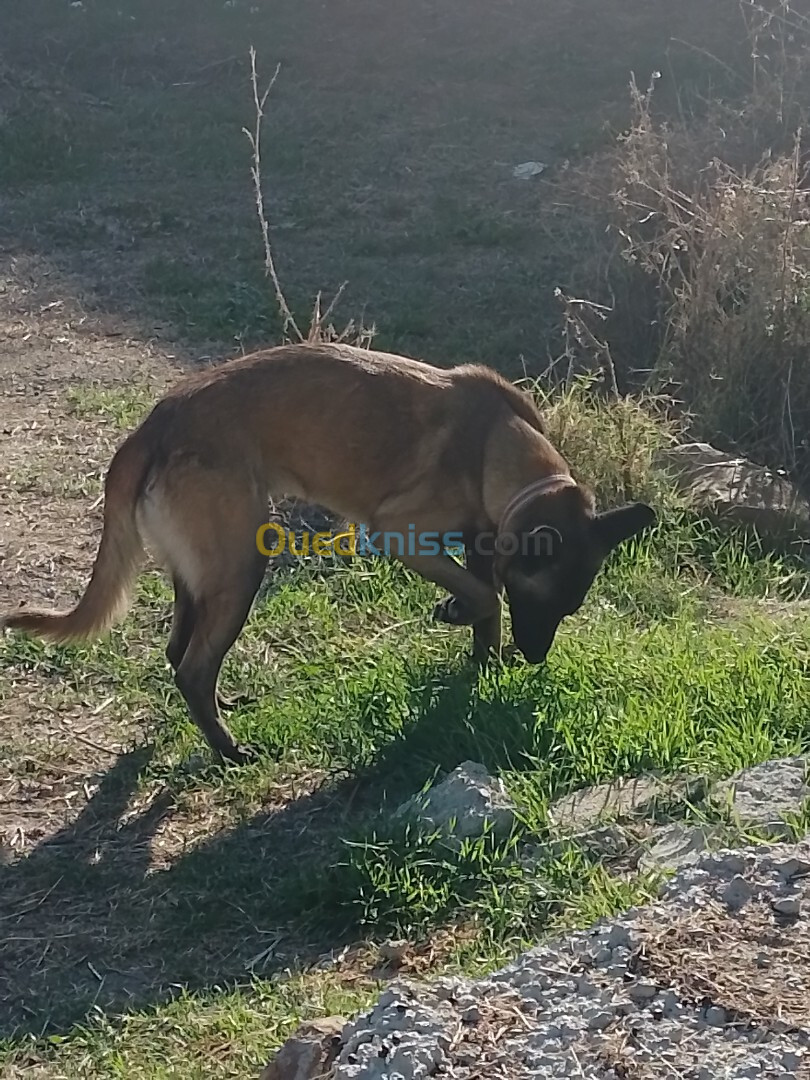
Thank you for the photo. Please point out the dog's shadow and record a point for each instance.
(91, 920)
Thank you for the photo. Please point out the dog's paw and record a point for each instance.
(234, 701)
(241, 754)
(451, 610)
(483, 653)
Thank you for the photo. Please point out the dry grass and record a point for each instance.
(753, 964)
(612, 442)
(731, 260)
(705, 290)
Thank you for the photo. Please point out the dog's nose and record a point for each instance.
(535, 656)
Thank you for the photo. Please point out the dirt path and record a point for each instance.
(51, 352)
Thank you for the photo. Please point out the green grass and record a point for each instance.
(124, 408)
(354, 684)
(222, 1034)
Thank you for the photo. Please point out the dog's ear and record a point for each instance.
(613, 527)
(543, 544)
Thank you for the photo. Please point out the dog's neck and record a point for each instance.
(522, 465)
(533, 491)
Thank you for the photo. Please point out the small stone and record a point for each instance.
(618, 937)
(670, 1004)
(620, 799)
(764, 795)
(447, 989)
(715, 1016)
(642, 992)
(309, 1053)
(733, 863)
(465, 1057)
(737, 893)
(608, 842)
(585, 988)
(466, 803)
(675, 846)
(471, 1015)
(598, 1021)
(793, 868)
(465, 1001)
(787, 906)
(393, 952)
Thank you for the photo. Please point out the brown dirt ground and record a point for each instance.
(52, 465)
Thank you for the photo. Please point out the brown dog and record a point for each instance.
(406, 448)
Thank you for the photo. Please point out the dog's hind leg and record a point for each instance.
(183, 619)
(221, 613)
(204, 523)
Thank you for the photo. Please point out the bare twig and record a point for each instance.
(255, 140)
(320, 321)
(320, 327)
(789, 433)
(578, 333)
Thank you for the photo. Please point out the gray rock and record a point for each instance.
(715, 1016)
(730, 487)
(308, 1053)
(463, 804)
(394, 952)
(598, 1021)
(794, 868)
(737, 893)
(669, 1004)
(789, 906)
(642, 992)
(728, 862)
(618, 937)
(621, 800)
(765, 795)
(609, 842)
(674, 846)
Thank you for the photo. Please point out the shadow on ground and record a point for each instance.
(89, 923)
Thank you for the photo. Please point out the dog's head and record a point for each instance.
(549, 552)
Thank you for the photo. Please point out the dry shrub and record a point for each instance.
(612, 443)
(731, 263)
(705, 290)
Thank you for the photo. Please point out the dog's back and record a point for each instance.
(337, 425)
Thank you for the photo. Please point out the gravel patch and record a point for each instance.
(709, 981)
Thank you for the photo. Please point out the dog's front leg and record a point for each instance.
(474, 599)
(486, 632)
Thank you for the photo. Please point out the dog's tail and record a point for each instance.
(118, 560)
